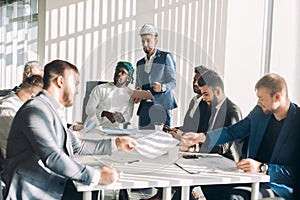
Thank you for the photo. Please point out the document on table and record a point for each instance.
(118, 131)
(90, 125)
(207, 163)
(155, 144)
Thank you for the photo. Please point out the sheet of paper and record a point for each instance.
(207, 163)
(90, 125)
(117, 131)
(155, 144)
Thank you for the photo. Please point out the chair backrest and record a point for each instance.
(89, 87)
(5, 92)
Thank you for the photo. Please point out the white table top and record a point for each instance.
(138, 171)
(160, 172)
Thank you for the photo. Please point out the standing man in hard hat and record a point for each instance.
(155, 72)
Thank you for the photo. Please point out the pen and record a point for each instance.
(133, 161)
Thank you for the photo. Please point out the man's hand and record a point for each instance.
(157, 87)
(136, 100)
(190, 139)
(119, 117)
(249, 165)
(125, 143)
(176, 133)
(109, 116)
(108, 175)
(77, 126)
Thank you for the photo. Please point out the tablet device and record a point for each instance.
(142, 94)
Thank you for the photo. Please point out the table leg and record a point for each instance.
(167, 193)
(87, 195)
(255, 191)
(185, 192)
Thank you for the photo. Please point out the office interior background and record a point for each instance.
(240, 39)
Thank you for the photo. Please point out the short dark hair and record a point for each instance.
(211, 79)
(200, 69)
(56, 68)
(33, 81)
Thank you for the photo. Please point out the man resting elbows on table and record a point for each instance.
(40, 146)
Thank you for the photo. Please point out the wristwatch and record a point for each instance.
(264, 168)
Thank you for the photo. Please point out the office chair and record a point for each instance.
(89, 87)
(5, 92)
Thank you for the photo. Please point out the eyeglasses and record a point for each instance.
(121, 71)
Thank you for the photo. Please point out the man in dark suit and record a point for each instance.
(273, 129)
(223, 113)
(40, 146)
(198, 108)
(198, 112)
(155, 72)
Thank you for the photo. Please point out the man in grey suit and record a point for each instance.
(40, 146)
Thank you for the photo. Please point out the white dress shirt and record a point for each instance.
(196, 105)
(148, 63)
(9, 106)
(108, 97)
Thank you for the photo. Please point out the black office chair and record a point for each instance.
(5, 92)
(89, 87)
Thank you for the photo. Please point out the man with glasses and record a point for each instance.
(111, 102)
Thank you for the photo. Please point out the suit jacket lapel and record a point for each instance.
(260, 129)
(52, 103)
(285, 129)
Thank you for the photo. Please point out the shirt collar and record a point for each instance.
(57, 106)
(220, 104)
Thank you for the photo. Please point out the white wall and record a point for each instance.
(223, 35)
(105, 32)
(285, 58)
(243, 51)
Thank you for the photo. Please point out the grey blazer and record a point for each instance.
(39, 159)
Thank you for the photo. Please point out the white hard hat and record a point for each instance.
(148, 29)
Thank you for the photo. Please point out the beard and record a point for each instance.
(148, 50)
(197, 90)
(67, 98)
(119, 83)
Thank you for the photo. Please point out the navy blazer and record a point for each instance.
(163, 70)
(282, 166)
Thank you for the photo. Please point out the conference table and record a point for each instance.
(166, 171)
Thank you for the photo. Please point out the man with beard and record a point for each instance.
(155, 72)
(223, 112)
(40, 147)
(197, 115)
(111, 102)
(273, 129)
